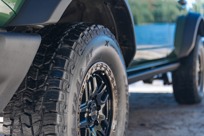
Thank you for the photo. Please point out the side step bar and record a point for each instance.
(142, 75)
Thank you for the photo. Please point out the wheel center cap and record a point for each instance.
(93, 113)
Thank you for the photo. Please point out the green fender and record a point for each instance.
(8, 10)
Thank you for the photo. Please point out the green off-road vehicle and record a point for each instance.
(66, 64)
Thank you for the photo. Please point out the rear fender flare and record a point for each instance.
(187, 29)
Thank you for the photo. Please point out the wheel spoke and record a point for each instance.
(96, 104)
(90, 89)
(95, 86)
(108, 105)
(87, 132)
(84, 124)
(83, 107)
(98, 90)
(101, 133)
(86, 93)
(93, 132)
(102, 97)
(104, 124)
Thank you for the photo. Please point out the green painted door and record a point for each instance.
(8, 10)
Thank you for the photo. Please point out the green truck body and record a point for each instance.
(65, 65)
(8, 10)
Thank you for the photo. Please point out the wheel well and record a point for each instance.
(201, 27)
(185, 41)
(113, 14)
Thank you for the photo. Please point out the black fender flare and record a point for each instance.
(113, 14)
(37, 12)
(126, 31)
(187, 29)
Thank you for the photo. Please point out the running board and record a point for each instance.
(142, 75)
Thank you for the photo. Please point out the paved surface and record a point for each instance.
(153, 112)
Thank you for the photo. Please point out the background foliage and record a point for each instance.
(160, 11)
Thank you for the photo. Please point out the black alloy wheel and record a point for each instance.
(96, 108)
(200, 73)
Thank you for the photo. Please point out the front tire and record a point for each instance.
(80, 88)
(188, 79)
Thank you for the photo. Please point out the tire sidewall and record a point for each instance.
(185, 83)
(100, 48)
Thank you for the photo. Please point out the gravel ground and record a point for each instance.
(154, 112)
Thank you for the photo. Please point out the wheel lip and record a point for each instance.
(113, 92)
(200, 74)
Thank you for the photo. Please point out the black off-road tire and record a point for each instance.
(188, 79)
(47, 102)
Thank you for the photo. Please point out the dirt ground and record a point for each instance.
(154, 112)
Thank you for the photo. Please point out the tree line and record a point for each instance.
(160, 11)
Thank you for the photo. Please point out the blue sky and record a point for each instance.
(189, 3)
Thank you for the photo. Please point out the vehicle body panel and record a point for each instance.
(6, 13)
(16, 55)
(156, 29)
(152, 31)
(185, 41)
(38, 12)
(15, 5)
